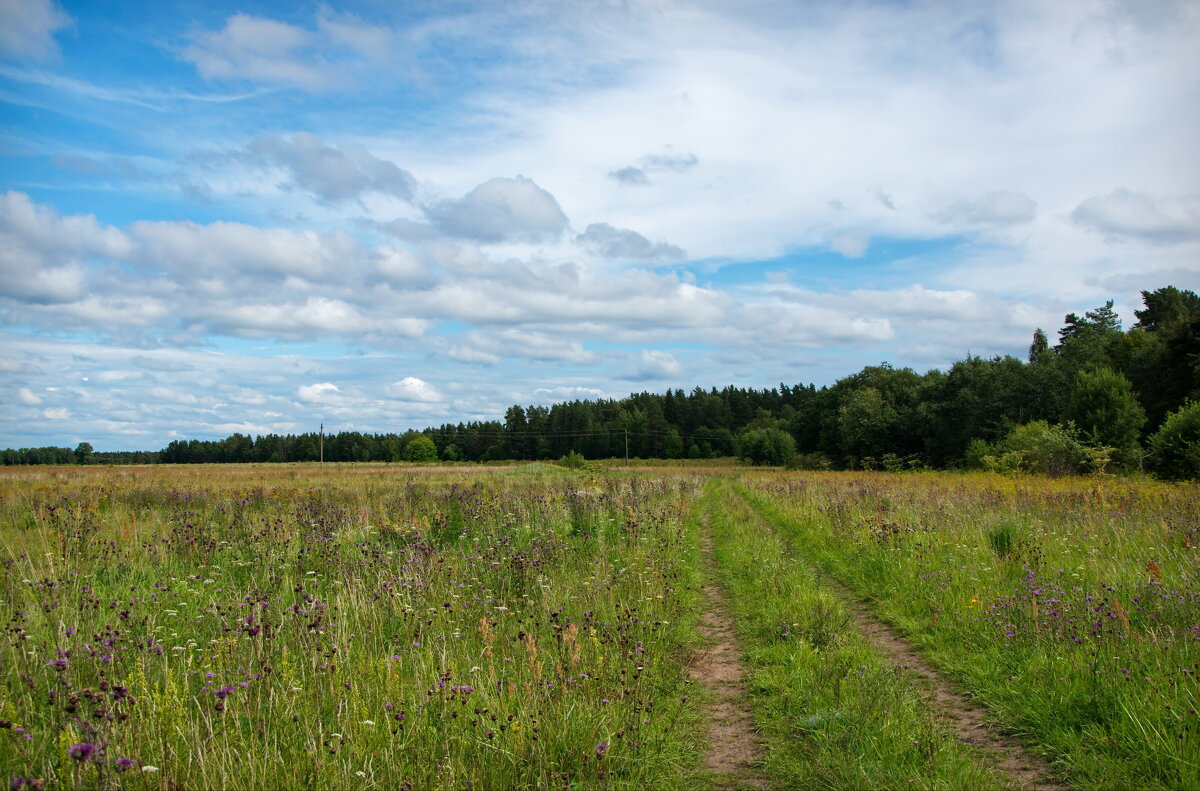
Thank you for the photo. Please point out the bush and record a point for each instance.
(809, 461)
(573, 461)
(1044, 448)
(766, 446)
(1175, 447)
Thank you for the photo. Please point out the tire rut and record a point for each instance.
(967, 720)
(734, 751)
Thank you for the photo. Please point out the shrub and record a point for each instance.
(573, 460)
(1045, 448)
(809, 461)
(766, 446)
(1175, 447)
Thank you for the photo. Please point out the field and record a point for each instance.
(371, 626)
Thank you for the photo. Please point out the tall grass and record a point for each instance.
(347, 627)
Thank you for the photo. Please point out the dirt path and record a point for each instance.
(966, 720)
(734, 749)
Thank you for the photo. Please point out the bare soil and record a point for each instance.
(734, 751)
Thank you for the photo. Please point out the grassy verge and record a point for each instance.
(1069, 608)
(833, 712)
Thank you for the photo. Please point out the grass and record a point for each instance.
(834, 712)
(1069, 607)
(527, 626)
(357, 628)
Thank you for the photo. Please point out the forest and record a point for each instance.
(1099, 398)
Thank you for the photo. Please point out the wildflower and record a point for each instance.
(84, 752)
(601, 749)
(123, 764)
(149, 768)
(368, 722)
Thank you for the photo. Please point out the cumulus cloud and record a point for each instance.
(410, 388)
(552, 394)
(1123, 214)
(992, 208)
(27, 28)
(42, 252)
(613, 242)
(223, 247)
(57, 413)
(655, 365)
(331, 173)
(400, 267)
(293, 320)
(321, 393)
(500, 210)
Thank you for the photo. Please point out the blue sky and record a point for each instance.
(258, 217)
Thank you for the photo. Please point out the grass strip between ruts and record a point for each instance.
(833, 712)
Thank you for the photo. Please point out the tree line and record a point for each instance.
(1098, 397)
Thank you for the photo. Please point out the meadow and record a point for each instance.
(455, 627)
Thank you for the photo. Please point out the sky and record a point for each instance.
(259, 217)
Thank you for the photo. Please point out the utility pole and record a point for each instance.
(626, 444)
(322, 443)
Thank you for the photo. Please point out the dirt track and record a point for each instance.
(733, 750)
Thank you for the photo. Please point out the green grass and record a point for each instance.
(834, 712)
(372, 626)
(1070, 608)
(348, 628)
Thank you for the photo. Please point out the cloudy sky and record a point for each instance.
(258, 216)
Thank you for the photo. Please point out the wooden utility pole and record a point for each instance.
(626, 444)
(322, 444)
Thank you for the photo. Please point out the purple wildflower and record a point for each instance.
(84, 752)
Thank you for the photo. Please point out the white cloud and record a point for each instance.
(28, 397)
(655, 365)
(320, 393)
(260, 50)
(468, 354)
(56, 413)
(226, 247)
(14, 367)
(623, 243)
(1123, 214)
(42, 252)
(331, 173)
(410, 388)
(852, 244)
(27, 28)
(998, 208)
(499, 210)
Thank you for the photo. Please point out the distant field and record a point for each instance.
(372, 626)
